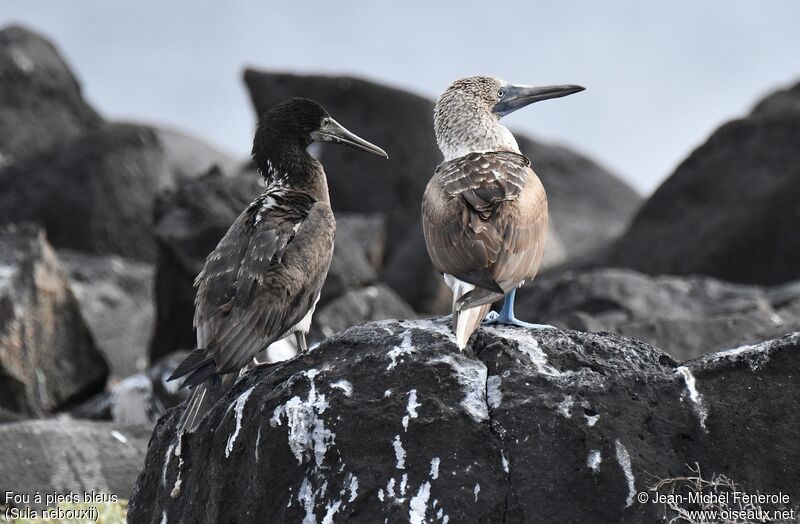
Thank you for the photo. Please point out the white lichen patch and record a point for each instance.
(624, 460)
(411, 408)
(593, 460)
(399, 453)
(419, 504)
(694, 395)
(472, 375)
(308, 436)
(493, 394)
(434, 473)
(405, 348)
(564, 407)
(238, 408)
(345, 386)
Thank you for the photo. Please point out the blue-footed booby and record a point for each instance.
(263, 280)
(484, 212)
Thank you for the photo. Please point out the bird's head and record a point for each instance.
(289, 127)
(467, 115)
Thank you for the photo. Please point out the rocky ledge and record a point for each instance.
(389, 422)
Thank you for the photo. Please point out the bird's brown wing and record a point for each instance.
(262, 278)
(484, 216)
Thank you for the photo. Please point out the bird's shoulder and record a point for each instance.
(483, 179)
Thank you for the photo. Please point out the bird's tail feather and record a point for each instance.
(204, 396)
(477, 297)
(465, 321)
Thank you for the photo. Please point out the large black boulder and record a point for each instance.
(389, 421)
(94, 193)
(730, 209)
(40, 100)
(589, 205)
(685, 316)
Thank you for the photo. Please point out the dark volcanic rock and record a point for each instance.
(686, 316)
(192, 220)
(370, 303)
(730, 209)
(115, 295)
(40, 100)
(47, 356)
(589, 205)
(64, 455)
(94, 193)
(389, 421)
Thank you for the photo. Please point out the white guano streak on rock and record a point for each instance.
(505, 461)
(238, 407)
(331, 510)
(493, 394)
(306, 497)
(419, 504)
(529, 346)
(565, 406)
(694, 395)
(399, 453)
(472, 375)
(307, 433)
(403, 484)
(435, 468)
(405, 348)
(476, 491)
(591, 420)
(170, 448)
(624, 460)
(353, 488)
(345, 386)
(411, 409)
(593, 460)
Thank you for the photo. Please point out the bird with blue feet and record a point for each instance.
(484, 212)
(263, 280)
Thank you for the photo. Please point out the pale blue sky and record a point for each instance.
(660, 76)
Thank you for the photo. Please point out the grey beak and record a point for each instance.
(334, 132)
(519, 96)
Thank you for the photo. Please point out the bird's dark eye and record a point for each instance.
(501, 93)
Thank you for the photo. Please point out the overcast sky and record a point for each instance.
(660, 75)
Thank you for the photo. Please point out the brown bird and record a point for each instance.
(263, 280)
(484, 212)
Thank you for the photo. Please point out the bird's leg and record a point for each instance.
(507, 317)
(300, 338)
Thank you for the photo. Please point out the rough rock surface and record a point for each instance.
(390, 422)
(116, 297)
(685, 316)
(47, 356)
(94, 193)
(64, 455)
(40, 100)
(589, 205)
(730, 209)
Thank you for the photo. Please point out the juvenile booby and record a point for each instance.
(263, 280)
(484, 212)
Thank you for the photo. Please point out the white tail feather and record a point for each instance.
(466, 321)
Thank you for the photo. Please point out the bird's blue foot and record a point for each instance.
(506, 316)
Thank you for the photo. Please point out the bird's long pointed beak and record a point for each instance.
(519, 96)
(334, 132)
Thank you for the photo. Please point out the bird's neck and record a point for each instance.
(295, 169)
(473, 133)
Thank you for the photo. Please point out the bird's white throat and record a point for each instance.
(459, 134)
